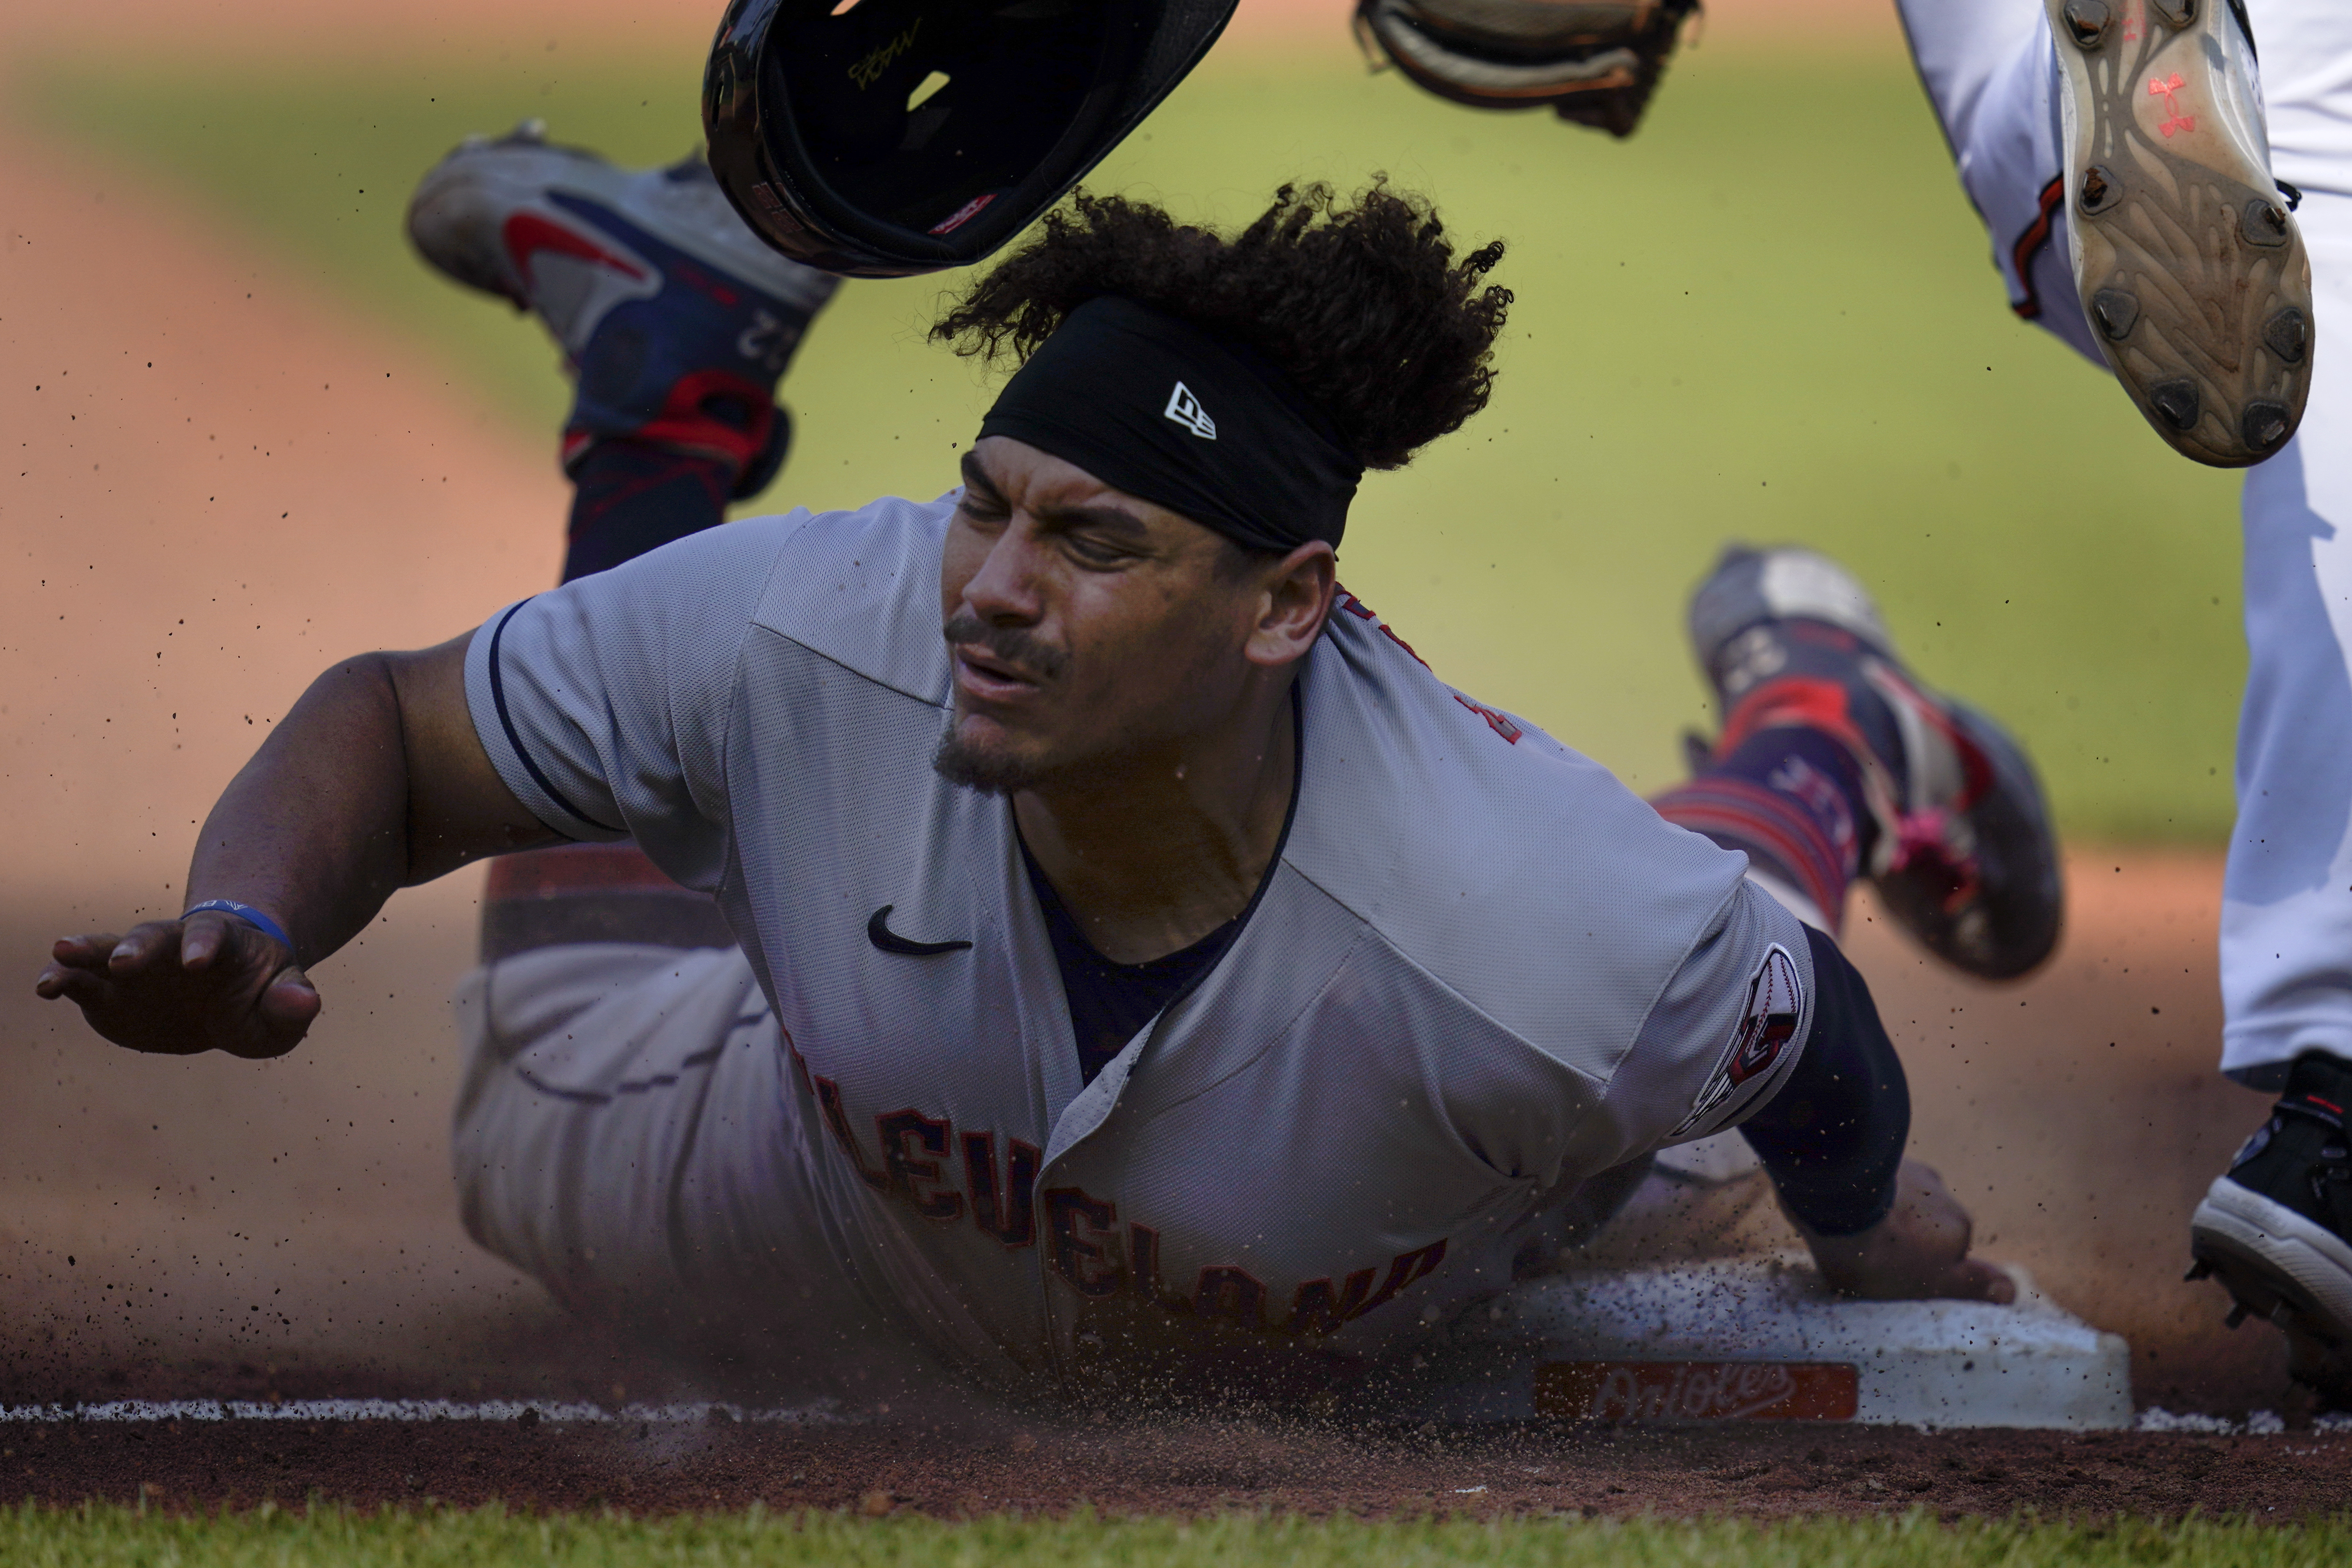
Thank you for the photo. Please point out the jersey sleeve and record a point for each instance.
(1725, 1031)
(605, 704)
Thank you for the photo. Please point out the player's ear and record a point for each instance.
(1294, 595)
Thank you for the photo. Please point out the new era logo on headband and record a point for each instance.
(1186, 410)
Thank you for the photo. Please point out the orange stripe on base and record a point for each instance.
(1678, 1391)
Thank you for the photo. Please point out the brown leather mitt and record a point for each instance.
(1593, 61)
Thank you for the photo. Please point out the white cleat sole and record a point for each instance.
(2269, 1256)
(2193, 274)
(456, 218)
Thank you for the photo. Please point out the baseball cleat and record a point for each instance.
(675, 320)
(2276, 1229)
(2192, 273)
(1962, 854)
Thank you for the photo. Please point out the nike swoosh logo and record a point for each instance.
(878, 933)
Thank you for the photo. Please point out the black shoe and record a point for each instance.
(2276, 1230)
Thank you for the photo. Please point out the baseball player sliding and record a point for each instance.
(1135, 961)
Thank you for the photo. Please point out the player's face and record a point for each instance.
(1088, 626)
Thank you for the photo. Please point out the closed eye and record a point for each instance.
(981, 500)
(1091, 547)
(983, 508)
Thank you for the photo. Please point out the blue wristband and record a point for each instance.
(245, 912)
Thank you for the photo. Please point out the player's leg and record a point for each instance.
(1834, 762)
(589, 1066)
(2117, 152)
(675, 323)
(626, 1135)
(2278, 1227)
(1992, 78)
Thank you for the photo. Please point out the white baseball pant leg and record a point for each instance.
(626, 1134)
(2287, 902)
(1989, 73)
(2286, 922)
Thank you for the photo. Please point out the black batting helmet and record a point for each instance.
(831, 137)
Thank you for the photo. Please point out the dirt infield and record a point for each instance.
(1190, 1467)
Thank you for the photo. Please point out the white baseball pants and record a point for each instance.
(2286, 918)
(626, 1135)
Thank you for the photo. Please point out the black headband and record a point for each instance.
(1155, 407)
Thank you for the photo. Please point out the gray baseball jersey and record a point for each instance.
(1478, 972)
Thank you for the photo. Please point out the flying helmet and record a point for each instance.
(885, 138)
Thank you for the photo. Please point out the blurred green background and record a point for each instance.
(1769, 316)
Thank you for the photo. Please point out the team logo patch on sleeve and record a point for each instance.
(1768, 1023)
(1775, 1002)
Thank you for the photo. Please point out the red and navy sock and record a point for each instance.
(1791, 797)
(630, 497)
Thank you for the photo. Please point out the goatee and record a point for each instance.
(969, 767)
(984, 773)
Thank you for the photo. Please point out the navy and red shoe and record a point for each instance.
(2276, 1228)
(1957, 840)
(675, 320)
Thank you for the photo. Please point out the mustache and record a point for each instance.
(1029, 654)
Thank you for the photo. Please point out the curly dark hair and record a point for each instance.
(1362, 305)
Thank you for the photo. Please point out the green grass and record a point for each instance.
(1770, 315)
(100, 1537)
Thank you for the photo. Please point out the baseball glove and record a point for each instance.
(1594, 61)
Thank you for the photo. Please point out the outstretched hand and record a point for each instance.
(1919, 1252)
(178, 987)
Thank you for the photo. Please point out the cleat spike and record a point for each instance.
(2177, 401)
(2265, 223)
(2088, 21)
(2237, 1315)
(2115, 312)
(2266, 426)
(2101, 191)
(2288, 335)
(2199, 1269)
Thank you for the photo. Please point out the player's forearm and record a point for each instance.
(313, 829)
(1833, 1136)
(373, 782)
